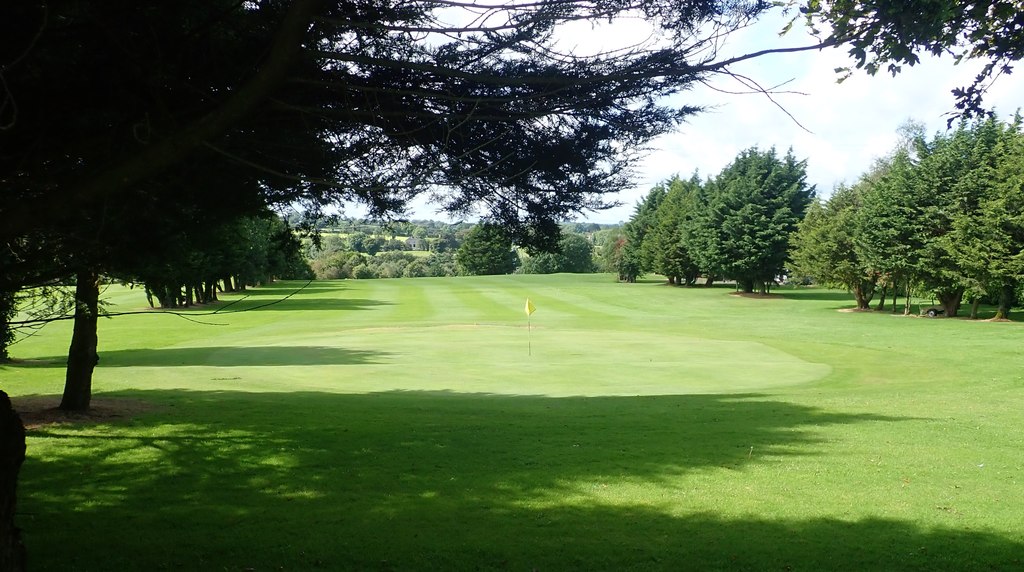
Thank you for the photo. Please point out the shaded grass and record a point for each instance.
(652, 428)
(410, 480)
(226, 357)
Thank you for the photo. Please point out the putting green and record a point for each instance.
(498, 359)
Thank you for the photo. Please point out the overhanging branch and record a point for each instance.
(172, 149)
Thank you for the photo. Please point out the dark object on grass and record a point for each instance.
(12, 454)
(933, 311)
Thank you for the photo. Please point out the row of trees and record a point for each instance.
(331, 241)
(248, 251)
(735, 225)
(940, 216)
(178, 265)
(483, 249)
(489, 249)
(349, 264)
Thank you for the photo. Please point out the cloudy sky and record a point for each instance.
(847, 125)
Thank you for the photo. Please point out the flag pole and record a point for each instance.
(529, 337)
(529, 327)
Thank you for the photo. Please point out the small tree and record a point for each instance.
(487, 249)
(575, 254)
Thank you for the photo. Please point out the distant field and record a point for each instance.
(423, 424)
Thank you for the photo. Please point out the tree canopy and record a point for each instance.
(487, 250)
(334, 102)
(735, 225)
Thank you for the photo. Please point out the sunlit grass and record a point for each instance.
(420, 424)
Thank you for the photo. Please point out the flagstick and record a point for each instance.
(529, 329)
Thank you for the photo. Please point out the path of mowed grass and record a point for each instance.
(402, 425)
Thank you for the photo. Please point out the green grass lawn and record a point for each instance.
(421, 425)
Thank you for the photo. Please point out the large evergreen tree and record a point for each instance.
(824, 246)
(754, 205)
(889, 237)
(986, 237)
(634, 259)
(665, 245)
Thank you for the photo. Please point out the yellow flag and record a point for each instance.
(529, 307)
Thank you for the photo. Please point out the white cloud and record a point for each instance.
(850, 124)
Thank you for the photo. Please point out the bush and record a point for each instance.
(363, 272)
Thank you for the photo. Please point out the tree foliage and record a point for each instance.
(329, 102)
(940, 216)
(665, 247)
(575, 254)
(632, 262)
(487, 250)
(824, 247)
(736, 225)
(754, 205)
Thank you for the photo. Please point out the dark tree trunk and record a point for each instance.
(228, 286)
(1006, 296)
(6, 331)
(12, 454)
(868, 288)
(974, 307)
(82, 357)
(895, 294)
(169, 299)
(882, 298)
(862, 296)
(710, 281)
(906, 304)
(951, 302)
(672, 280)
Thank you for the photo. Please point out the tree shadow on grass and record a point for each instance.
(223, 357)
(816, 295)
(281, 290)
(429, 480)
(262, 304)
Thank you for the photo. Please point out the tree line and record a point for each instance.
(940, 216)
(735, 225)
(471, 249)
